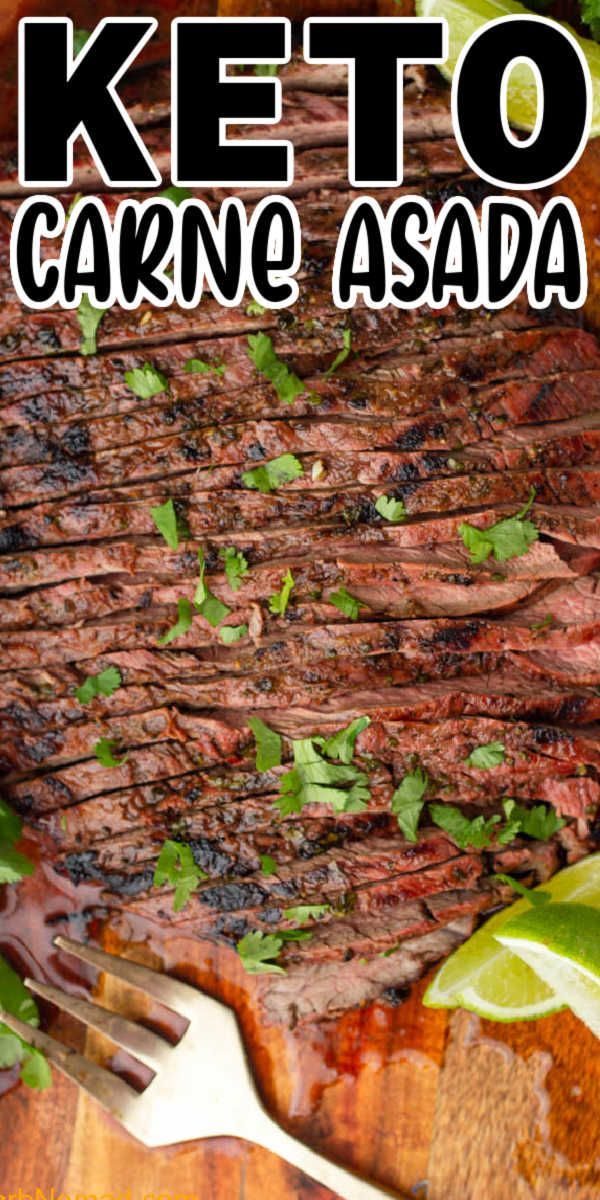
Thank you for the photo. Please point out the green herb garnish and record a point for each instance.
(208, 605)
(89, 318)
(232, 633)
(312, 780)
(390, 509)
(407, 802)
(258, 950)
(197, 366)
(15, 999)
(271, 475)
(104, 751)
(509, 538)
(182, 624)
(268, 866)
(103, 684)
(278, 602)
(306, 912)
(176, 866)
(347, 604)
(268, 745)
(477, 833)
(146, 381)
(165, 519)
(176, 194)
(342, 744)
(287, 385)
(342, 355)
(236, 566)
(486, 757)
(534, 897)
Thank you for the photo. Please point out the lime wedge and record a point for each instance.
(464, 17)
(486, 977)
(561, 943)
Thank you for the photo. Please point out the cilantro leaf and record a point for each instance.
(103, 684)
(347, 604)
(534, 898)
(232, 633)
(236, 566)
(197, 366)
(104, 753)
(278, 602)
(486, 757)
(590, 14)
(257, 951)
(35, 1071)
(15, 999)
(165, 519)
(476, 833)
(390, 509)
(341, 744)
(313, 780)
(306, 912)
(287, 385)
(268, 866)
(182, 624)
(13, 865)
(268, 745)
(254, 309)
(176, 194)
(407, 802)
(509, 538)
(146, 381)
(89, 318)
(342, 354)
(80, 37)
(271, 475)
(540, 822)
(209, 606)
(176, 866)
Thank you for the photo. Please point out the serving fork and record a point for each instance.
(172, 1108)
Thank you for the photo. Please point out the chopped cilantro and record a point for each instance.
(543, 626)
(197, 366)
(146, 381)
(271, 475)
(278, 602)
(182, 624)
(287, 385)
(257, 951)
(165, 519)
(266, 69)
(268, 866)
(486, 757)
(390, 509)
(13, 865)
(312, 780)
(341, 744)
(590, 15)
(103, 684)
(232, 633)
(407, 802)
(254, 309)
(306, 912)
(509, 538)
(176, 194)
(347, 604)
(236, 566)
(209, 606)
(539, 822)
(89, 318)
(477, 833)
(534, 897)
(342, 355)
(268, 745)
(104, 751)
(80, 37)
(176, 867)
(15, 999)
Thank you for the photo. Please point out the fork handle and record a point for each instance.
(342, 1183)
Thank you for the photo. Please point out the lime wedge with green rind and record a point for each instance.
(464, 17)
(485, 977)
(561, 944)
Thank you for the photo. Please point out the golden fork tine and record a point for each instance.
(112, 1093)
(142, 1043)
(170, 992)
